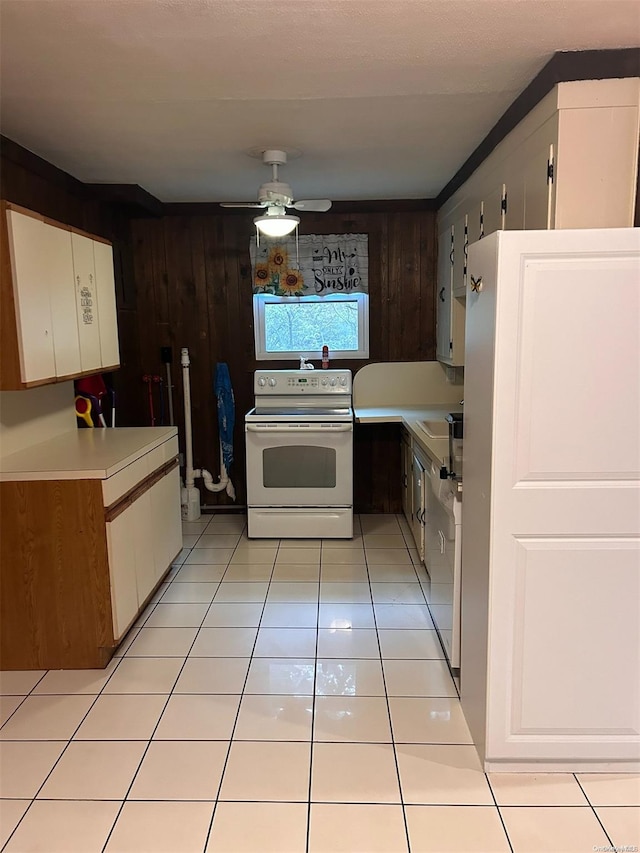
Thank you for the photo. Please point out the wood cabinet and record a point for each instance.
(82, 557)
(57, 309)
(570, 163)
(551, 557)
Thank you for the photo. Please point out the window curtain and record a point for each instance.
(311, 265)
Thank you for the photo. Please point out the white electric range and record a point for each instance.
(299, 441)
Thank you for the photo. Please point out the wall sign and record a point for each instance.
(318, 265)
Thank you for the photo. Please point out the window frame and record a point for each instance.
(262, 299)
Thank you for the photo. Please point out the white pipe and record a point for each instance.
(189, 473)
(192, 474)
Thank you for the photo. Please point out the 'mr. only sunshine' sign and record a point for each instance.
(320, 265)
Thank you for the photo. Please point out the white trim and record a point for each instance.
(260, 300)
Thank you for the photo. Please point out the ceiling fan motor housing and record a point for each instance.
(275, 192)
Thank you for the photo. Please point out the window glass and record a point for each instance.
(286, 327)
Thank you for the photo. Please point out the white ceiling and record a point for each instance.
(386, 98)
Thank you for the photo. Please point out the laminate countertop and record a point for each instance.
(84, 454)
(412, 417)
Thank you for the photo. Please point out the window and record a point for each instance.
(287, 327)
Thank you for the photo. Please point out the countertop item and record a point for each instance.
(91, 454)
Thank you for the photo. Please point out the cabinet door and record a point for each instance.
(492, 212)
(165, 510)
(31, 295)
(145, 528)
(86, 302)
(460, 251)
(407, 483)
(106, 299)
(66, 344)
(537, 168)
(418, 520)
(444, 344)
(122, 571)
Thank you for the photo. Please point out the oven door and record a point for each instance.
(299, 464)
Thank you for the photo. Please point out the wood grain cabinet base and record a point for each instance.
(76, 573)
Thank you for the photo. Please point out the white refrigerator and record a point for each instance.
(550, 640)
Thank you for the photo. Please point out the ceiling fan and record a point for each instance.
(275, 197)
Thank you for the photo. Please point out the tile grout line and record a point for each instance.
(386, 696)
(242, 694)
(64, 750)
(592, 807)
(164, 708)
(495, 802)
(313, 702)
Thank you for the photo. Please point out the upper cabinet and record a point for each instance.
(570, 163)
(58, 311)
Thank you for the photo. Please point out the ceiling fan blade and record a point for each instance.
(316, 205)
(242, 204)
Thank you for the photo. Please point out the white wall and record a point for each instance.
(34, 415)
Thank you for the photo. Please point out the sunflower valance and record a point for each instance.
(315, 265)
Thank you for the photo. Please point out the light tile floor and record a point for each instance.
(276, 698)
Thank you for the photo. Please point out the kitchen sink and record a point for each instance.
(435, 429)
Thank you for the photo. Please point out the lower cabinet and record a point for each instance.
(406, 456)
(75, 574)
(143, 537)
(418, 505)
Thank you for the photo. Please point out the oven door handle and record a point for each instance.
(289, 428)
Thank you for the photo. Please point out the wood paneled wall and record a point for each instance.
(184, 279)
(192, 288)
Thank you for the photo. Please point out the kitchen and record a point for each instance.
(187, 270)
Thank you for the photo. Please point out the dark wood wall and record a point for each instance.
(193, 288)
(184, 279)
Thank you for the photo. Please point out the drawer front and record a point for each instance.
(119, 484)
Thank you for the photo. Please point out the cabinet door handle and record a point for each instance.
(441, 294)
(476, 284)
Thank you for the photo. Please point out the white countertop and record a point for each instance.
(83, 454)
(411, 417)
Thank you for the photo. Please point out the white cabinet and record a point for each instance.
(31, 297)
(121, 535)
(406, 458)
(107, 312)
(570, 163)
(551, 556)
(167, 536)
(56, 248)
(418, 504)
(58, 313)
(443, 559)
(84, 273)
(144, 533)
(450, 311)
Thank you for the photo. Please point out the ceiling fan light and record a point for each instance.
(276, 226)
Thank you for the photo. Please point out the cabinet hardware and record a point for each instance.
(549, 171)
(476, 284)
(441, 294)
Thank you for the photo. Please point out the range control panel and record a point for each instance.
(295, 382)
